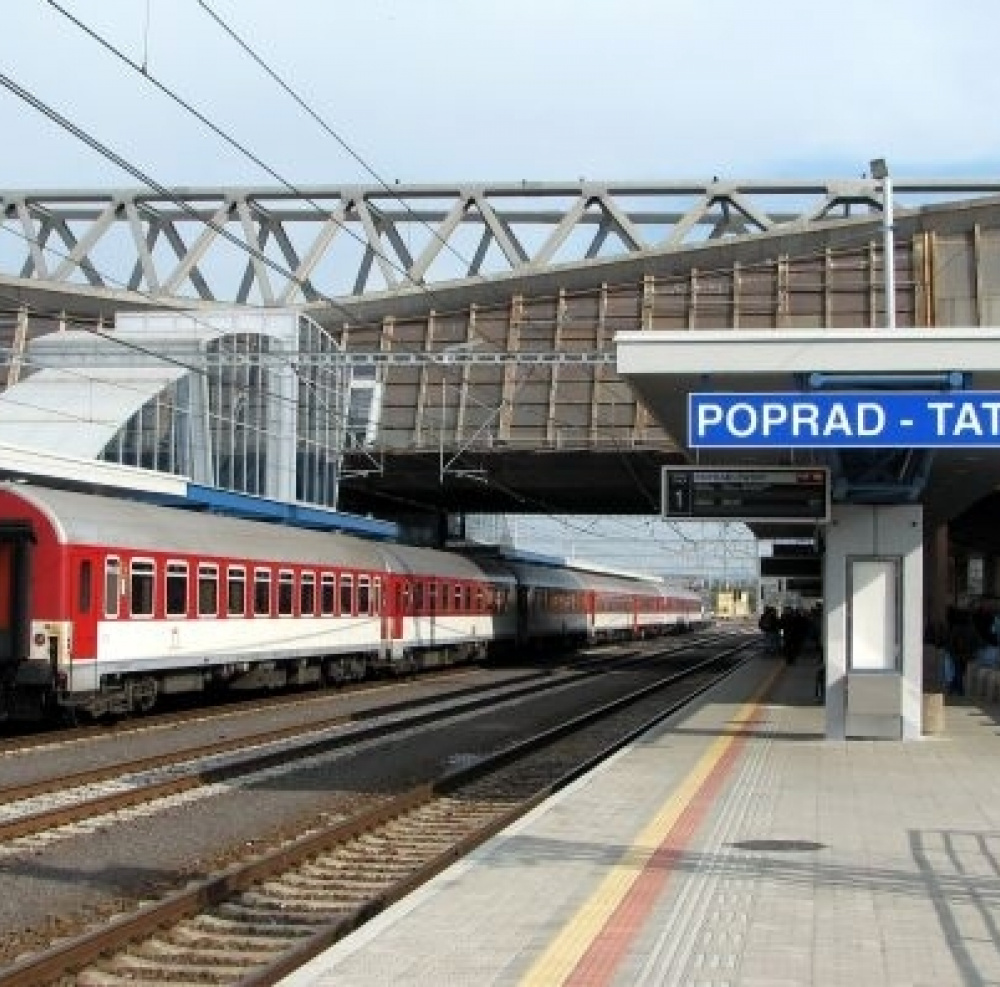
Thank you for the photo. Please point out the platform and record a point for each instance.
(732, 846)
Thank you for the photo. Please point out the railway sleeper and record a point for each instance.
(321, 885)
(189, 937)
(399, 862)
(280, 898)
(279, 892)
(223, 952)
(102, 978)
(346, 886)
(214, 924)
(352, 868)
(423, 843)
(347, 879)
(171, 972)
(240, 911)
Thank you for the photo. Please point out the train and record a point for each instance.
(108, 604)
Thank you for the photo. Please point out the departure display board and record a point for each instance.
(766, 493)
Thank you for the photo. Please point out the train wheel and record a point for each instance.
(333, 673)
(143, 694)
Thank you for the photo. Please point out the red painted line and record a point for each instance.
(604, 955)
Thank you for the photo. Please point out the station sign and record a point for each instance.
(845, 420)
(771, 493)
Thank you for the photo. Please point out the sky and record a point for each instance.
(440, 91)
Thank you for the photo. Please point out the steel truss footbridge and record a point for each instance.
(483, 315)
(276, 246)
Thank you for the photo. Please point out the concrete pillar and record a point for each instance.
(882, 701)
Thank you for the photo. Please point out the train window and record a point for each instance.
(208, 590)
(364, 596)
(432, 597)
(467, 598)
(346, 596)
(141, 583)
(418, 597)
(112, 586)
(307, 594)
(376, 595)
(286, 592)
(445, 596)
(262, 592)
(176, 589)
(480, 600)
(236, 591)
(327, 594)
(86, 585)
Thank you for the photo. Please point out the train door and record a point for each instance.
(391, 604)
(524, 631)
(16, 541)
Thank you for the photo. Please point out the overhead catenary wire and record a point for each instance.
(252, 53)
(188, 107)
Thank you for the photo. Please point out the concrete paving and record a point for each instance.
(732, 847)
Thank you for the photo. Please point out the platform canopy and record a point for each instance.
(952, 364)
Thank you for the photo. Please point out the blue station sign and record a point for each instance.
(845, 420)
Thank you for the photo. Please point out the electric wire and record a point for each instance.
(252, 53)
(256, 159)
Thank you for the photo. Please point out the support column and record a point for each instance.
(282, 433)
(201, 451)
(873, 616)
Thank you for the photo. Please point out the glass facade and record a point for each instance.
(248, 401)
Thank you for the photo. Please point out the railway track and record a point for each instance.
(46, 805)
(262, 917)
(13, 744)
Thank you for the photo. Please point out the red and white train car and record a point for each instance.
(107, 603)
(580, 603)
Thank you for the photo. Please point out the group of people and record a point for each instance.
(790, 631)
(965, 637)
(787, 633)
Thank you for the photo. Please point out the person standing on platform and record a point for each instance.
(768, 624)
(816, 633)
(793, 633)
(963, 642)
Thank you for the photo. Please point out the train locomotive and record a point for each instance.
(106, 604)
